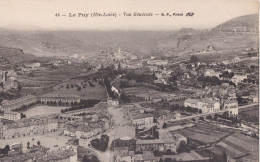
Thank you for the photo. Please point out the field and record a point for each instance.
(43, 110)
(250, 115)
(238, 145)
(204, 133)
(86, 89)
(145, 92)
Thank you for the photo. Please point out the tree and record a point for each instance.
(182, 147)
(23, 115)
(28, 145)
(90, 158)
(6, 149)
(119, 66)
(209, 117)
(38, 143)
(224, 156)
(164, 125)
(168, 160)
(194, 58)
(19, 87)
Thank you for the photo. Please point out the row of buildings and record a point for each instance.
(208, 105)
(9, 105)
(42, 154)
(168, 142)
(84, 130)
(205, 105)
(28, 127)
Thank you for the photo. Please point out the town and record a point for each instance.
(118, 106)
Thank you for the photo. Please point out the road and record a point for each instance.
(216, 112)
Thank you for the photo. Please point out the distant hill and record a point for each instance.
(247, 23)
(231, 36)
(11, 56)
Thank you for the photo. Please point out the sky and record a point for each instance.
(40, 14)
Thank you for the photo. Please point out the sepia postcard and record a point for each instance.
(129, 80)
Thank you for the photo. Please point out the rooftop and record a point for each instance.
(8, 102)
(61, 95)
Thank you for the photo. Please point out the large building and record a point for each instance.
(28, 127)
(230, 104)
(11, 115)
(130, 156)
(137, 115)
(165, 143)
(85, 131)
(60, 98)
(205, 105)
(8, 105)
(124, 143)
(142, 120)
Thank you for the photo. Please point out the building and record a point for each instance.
(211, 73)
(8, 105)
(130, 156)
(28, 127)
(230, 104)
(124, 143)
(205, 105)
(158, 62)
(60, 98)
(11, 115)
(112, 102)
(61, 155)
(238, 78)
(41, 154)
(142, 119)
(138, 116)
(166, 142)
(83, 130)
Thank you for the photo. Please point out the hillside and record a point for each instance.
(11, 56)
(229, 38)
(247, 23)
